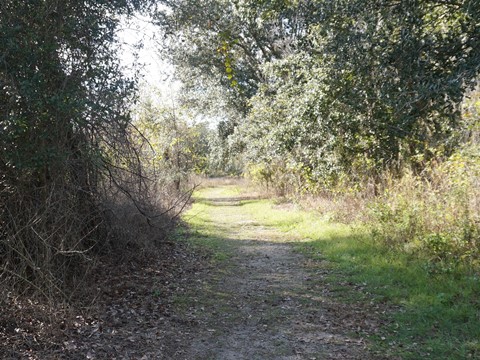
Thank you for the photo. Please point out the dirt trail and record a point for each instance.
(267, 301)
(261, 301)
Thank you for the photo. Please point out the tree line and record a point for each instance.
(328, 89)
(73, 175)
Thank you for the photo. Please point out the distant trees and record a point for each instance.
(170, 141)
(334, 89)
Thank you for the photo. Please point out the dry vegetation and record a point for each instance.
(61, 266)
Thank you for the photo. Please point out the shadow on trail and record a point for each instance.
(227, 201)
(263, 300)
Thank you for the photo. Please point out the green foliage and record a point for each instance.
(64, 138)
(176, 146)
(372, 90)
(435, 216)
(224, 157)
(331, 89)
(218, 48)
(288, 124)
(57, 87)
(170, 142)
(229, 40)
(399, 71)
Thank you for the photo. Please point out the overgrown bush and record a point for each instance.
(435, 215)
(71, 172)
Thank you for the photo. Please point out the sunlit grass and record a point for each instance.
(432, 316)
(438, 315)
(200, 232)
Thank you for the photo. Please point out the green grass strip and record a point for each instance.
(439, 314)
(433, 316)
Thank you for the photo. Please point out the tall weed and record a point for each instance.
(436, 214)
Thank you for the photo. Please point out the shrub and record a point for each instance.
(435, 214)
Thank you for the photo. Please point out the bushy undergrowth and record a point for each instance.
(54, 233)
(434, 215)
(52, 238)
(71, 166)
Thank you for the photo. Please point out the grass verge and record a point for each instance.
(436, 315)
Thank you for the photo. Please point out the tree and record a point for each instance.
(398, 72)
(219, 44)
(64, 120)
(377, 87)
(336, 89)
